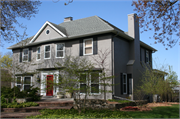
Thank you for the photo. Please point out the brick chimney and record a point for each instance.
(66, 19)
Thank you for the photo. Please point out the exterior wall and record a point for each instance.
(71, 48)
(52, 34)
(121, 58)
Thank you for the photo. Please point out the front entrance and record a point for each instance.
(49, 86)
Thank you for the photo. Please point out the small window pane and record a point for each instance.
(27, 80)
(88, 50)
(25, 58)
(26, 87)
(19, 86)
(88, 43)
(25, 52)
(47, 48)
(82, 78)
(47, 55)
(59, 53)
(60, 46)
(18, 80)
(82, 88)
(124, 78)
(39, 50)
(94, 77)
(94, 88)
(38, 56)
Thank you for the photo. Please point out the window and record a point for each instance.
(47, 52)
(60, 50)
(147, 56)
(18, 83)
(124, 83)
(88, 46)
(25, 55)
(23, 83)
(93, 83)
(38, 53)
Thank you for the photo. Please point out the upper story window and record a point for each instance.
(147, 56)
(25, 55)
(38, 53)
(47, 52)
(60, 50)
(88, 46)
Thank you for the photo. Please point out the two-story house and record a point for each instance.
(84, 38)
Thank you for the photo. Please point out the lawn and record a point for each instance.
(157, 112)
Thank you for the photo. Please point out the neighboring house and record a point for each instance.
(84, 38)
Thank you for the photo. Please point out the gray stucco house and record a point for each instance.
(84, 38)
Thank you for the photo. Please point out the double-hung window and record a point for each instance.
(147, 56)
(25, 55)
(93, 82)
(38, 53)
(47, 52)
(124, 83)
(23, 83)
(60, 50)
(88, 46)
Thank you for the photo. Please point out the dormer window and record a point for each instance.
(25, 55)
(88, 46)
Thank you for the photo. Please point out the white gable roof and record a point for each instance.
(40, 30)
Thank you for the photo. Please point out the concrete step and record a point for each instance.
(32, 109)
(18, 115)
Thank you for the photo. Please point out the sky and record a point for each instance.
(113, 11)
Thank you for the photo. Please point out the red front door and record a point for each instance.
(49, 91)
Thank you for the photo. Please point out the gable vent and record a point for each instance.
(66, 19)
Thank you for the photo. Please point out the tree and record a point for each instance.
(172, 77)
(6, 60)
(10, 11)
(101, 61)
(161, 15)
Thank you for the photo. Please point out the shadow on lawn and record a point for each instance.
(158, 112)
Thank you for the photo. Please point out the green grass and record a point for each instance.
(120, 101)
(60, 113)
(157, 112)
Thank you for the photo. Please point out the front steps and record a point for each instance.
(28, 111)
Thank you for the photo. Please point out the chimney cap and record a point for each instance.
(66, 19)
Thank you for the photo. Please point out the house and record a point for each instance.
(84, 38)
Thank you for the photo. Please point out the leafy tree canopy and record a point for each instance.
(161, 15)
(6, 60)
(10, 11)
(172, 77)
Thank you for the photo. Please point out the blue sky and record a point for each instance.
(112, 11)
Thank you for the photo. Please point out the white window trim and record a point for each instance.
(82, 83)
(60, 50)
(90, 85)
(49, 51)
(147, 56)
(25, 55)
(87, 47)
(124, 83)
(38, 53)
(22, 78)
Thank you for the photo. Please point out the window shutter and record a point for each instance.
(95, 49)
(81, 47)
(30, 54)
(129, 83)
(150, 58)
(140, 54)
(145, 56)
(121, 78)
(20, 56)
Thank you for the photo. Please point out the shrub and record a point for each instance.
(120, 101)
(3, 99)
(18, 105)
